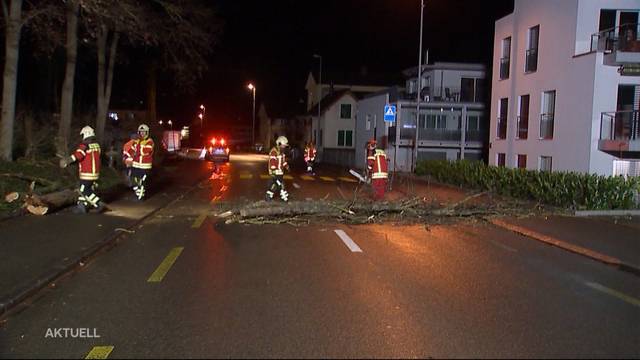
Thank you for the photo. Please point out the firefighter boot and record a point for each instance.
(269, 196)
(79, 209)
(284, 195)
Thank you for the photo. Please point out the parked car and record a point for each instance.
(217, 150)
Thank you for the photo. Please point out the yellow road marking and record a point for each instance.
(307, 178)
(288, 177)
(166, 264)
(347, 179)
(326, 178)
(624, 297)
(265, 177)
(246, 176)
(198, 222)
(99, 352)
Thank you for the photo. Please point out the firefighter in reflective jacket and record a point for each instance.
(140, 156)
(277, 166)
(310, 156)
(377, 167)
(87, 155)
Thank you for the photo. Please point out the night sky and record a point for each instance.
(271, 43)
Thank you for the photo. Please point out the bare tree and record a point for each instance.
(66, 104)
(13, 18)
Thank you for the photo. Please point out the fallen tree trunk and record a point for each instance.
(45, 204)
(293, 208)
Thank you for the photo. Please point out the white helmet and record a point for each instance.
(143, 130)
(87, 132)
(282, 141)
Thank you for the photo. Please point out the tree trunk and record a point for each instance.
(105, 82)
(12, 52)
(66, 106)
(152, 89)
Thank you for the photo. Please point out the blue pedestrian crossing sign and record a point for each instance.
(390, 113)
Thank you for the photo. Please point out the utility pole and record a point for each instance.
(415, 142)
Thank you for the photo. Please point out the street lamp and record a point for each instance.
(202, 115)
(319, 92)
(253, 126)
(170, 124)
(160, 122)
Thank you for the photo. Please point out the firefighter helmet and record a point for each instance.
(371, 144)
(87, 132)
(143, 131)
(282, 141)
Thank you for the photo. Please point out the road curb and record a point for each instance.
(549, 240)
(585, 213)
(11, 301)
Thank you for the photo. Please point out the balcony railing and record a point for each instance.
(440, 134)
(504, 67)
(531, 60)
(546, 126)
(502, 128)
(620, 38)
(523, 127)
(620, 125)
(444, 94)
(450, 135)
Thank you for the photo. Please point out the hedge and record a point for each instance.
(564, 189)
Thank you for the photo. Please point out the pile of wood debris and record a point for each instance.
(362, 212)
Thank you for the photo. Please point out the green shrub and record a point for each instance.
(580, 191)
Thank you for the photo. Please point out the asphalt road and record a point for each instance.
(187, 285)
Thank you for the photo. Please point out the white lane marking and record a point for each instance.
(347, 241)
(622, 296)
(503, 246)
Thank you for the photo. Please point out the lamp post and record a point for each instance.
(253, 126)
(319, 91)
(202, 115)
(415, 142)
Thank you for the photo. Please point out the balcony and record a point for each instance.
(505, 62)
(620, 44)
(620, 133)
(448, 94)
(546, 126)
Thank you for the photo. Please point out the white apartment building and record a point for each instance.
(453, 123)
(566, 87)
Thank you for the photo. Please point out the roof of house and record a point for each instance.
(329, 100)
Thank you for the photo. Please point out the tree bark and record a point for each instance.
(105, 77)
(66, 106)
(46, 204)
(12, 52)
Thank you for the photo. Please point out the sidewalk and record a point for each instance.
(614, 241)
(35, 250)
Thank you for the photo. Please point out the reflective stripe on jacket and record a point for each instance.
(277, 162)
(88, 157)
(378, 165)
(141, 152)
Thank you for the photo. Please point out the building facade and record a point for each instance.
(452, 121)
(565, 87)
